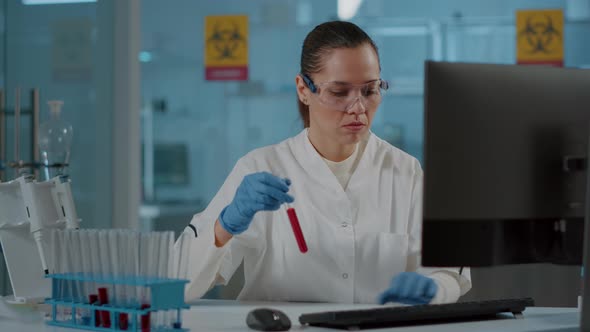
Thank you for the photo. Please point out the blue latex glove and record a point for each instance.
(409, 288)
(257, 192)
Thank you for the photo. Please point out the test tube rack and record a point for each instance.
(164, 294)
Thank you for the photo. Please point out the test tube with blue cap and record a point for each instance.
(145, 251)
(75, 266)
(171, 314)
(89, 286)
(96, 272)
(162, 273)
(154, 267)
(57, 262)
(68, 290)
(116, 297)
(105, 292)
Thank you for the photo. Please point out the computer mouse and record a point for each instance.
(267, 319)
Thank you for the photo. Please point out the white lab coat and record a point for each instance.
(358, 238)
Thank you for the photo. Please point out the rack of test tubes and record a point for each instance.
(115, 280)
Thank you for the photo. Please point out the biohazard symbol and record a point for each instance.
(540, 34)
(226, 40)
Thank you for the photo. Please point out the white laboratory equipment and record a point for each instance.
(29, 208)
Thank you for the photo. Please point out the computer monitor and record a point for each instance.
(504, 164)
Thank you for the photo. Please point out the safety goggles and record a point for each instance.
(343, 96)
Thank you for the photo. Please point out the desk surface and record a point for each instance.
(218, 315)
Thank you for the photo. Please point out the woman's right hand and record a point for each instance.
(258, 192)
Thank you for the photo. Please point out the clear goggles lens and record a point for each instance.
(342, 96)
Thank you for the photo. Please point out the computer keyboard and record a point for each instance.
(416, 315)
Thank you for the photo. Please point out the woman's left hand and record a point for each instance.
(409, 288)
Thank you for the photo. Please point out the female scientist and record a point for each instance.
(358, 198)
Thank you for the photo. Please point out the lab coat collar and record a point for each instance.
(314, 165)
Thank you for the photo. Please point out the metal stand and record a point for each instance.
(18, 164)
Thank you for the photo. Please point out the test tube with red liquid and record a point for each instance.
(297, 229)
(105, 315)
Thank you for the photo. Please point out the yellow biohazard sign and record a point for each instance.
(539, 37)
(226, 47)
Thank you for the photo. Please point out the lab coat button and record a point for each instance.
(345, 275)
(344, 224)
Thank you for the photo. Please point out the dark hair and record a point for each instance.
(322, 40)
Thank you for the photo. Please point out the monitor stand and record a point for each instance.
(585, 311)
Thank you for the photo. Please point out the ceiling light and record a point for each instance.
(53, 2)
(348, 8)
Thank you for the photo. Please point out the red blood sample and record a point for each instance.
(105, 316)
(297, 230)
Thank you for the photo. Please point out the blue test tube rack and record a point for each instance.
(165, 294)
